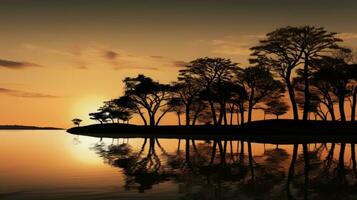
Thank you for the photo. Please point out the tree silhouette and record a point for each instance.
(336, 73)
(282, 53)
(260, 85)
(287, 48)
(210, 74)
(147, 95)
(176, 105)
(99, 116)
(315, 42)
(276, 107)
(76, 121)
(187, 89)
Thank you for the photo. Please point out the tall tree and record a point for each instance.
(315, 42)
(211, 73)
(287, 48)
(187, 89)
(335, 72)
(147, 95)
(176, 105)
(260, 85)
(281, 51)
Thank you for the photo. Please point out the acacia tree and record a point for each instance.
(281, 52)
(260, 85)
(287, 48)
(324, 90)
(276, 107)
(176, 105)
(99, 116)
(187, 89)
(210, 74)
(315, 42)
(147, 95)
(335, 72)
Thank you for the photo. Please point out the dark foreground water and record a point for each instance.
(56, 165)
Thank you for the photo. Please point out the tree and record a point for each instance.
(276, 107)
(187, 89)
(176, 105)
(210, 74)
(315, 42)
(335, 72)
(124, 108)
(260, 85)
(147, 95)
(282, 53)
(287, 48)
(76, 121)
(99, 116)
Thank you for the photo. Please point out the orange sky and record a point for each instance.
(60, 59)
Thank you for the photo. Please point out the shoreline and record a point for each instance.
(274, 131)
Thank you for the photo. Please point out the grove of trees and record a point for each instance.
(303, 68)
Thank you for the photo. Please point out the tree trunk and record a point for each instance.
(152, 120)
(231, 116)
(237, 114)
(221, 114)
(142, 116)
(307, 94)
(179, 119)
(250, 105)
(213, 112)
(341, 105)
(187, 113)
(292, 97)
(225, 116)
(353, 107)
(242, 116)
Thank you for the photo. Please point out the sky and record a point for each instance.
(59, 59)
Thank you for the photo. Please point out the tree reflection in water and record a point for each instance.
(222, 169)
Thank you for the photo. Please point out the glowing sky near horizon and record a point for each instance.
(61, 59)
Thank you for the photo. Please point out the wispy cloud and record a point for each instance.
(25, 94)
(347, 36)
(81, 67)
(179, 63)
(10, 64)
(235, 45)
(94, 55)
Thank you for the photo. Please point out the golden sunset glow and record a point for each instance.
(60, 59)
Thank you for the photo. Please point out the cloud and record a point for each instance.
(179, 63)
(347, 36)
(111, 55)
(42, 49)
(16, 64)
(24, 94)
(94, 55)
(82, 67)
(230, 47)
(136, 67)
(157, 57)
(237, 45)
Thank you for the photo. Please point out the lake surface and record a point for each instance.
(44, 164)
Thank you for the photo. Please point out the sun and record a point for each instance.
(85, 105)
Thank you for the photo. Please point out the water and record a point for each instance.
(57, 165)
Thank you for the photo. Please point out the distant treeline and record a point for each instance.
(307, 64)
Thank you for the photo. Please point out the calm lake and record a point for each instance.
(52, 164)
